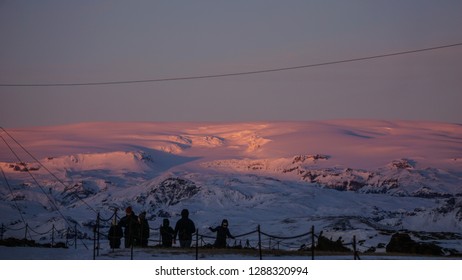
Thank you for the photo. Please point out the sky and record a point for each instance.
(55, 42)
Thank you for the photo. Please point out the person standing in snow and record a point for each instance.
(115, 235)
(166, 232)
(184, 229)
(144, 229)
(222, 232)
(130, 224)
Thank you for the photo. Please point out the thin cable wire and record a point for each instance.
(35, 180)
(40, 186)
(210, 76)
(44, 167)
(14, 200)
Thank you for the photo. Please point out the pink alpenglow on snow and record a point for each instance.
(347, 178)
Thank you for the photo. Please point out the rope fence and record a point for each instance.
(63, 238)
(256, 240)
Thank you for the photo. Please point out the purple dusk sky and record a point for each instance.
(47, 42)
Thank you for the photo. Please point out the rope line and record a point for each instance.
(14, 229)
(40, 233)
(272, 245)
(249, 233)
(285, 238)
(109, 219)
(210, 76)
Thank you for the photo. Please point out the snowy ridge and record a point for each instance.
(115, 161)
(399, 178)
(366, 178)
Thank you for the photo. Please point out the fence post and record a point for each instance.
(114, 222)
(115, 215)
(75, 236)
(355, 250)
(259, 241)
(197, 244)
(312, 242)
(97, 234)
(132, 240)
(67, 236)
(52, 236)
(25, 235)
(94, 242)
(160, 236)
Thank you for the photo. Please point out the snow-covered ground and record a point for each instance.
(149, 263)
(31, 253)
(346, 178)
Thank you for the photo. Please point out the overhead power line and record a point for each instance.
(209, 76)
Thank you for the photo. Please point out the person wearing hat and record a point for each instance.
(184, 229)
(130, 224)
(166, 232)
(222, 232)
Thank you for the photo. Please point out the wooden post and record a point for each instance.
(355, 250)
(132, 240)
(114, 222)
(160, 235)
(259, 241)
(115, 215)
(94, 242)
(97, 234)
(312, 242)
(75, 236)
(197, 244)
(68, 231)
(25, 235)
(53, 236)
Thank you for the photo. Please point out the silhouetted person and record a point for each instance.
(144, 229)
(222, 232)
(130, 224)
(166, 232)
(184, 229)
(115, 235)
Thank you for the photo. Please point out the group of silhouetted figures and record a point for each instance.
(135, 231)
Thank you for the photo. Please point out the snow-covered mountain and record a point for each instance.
(348, 177)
